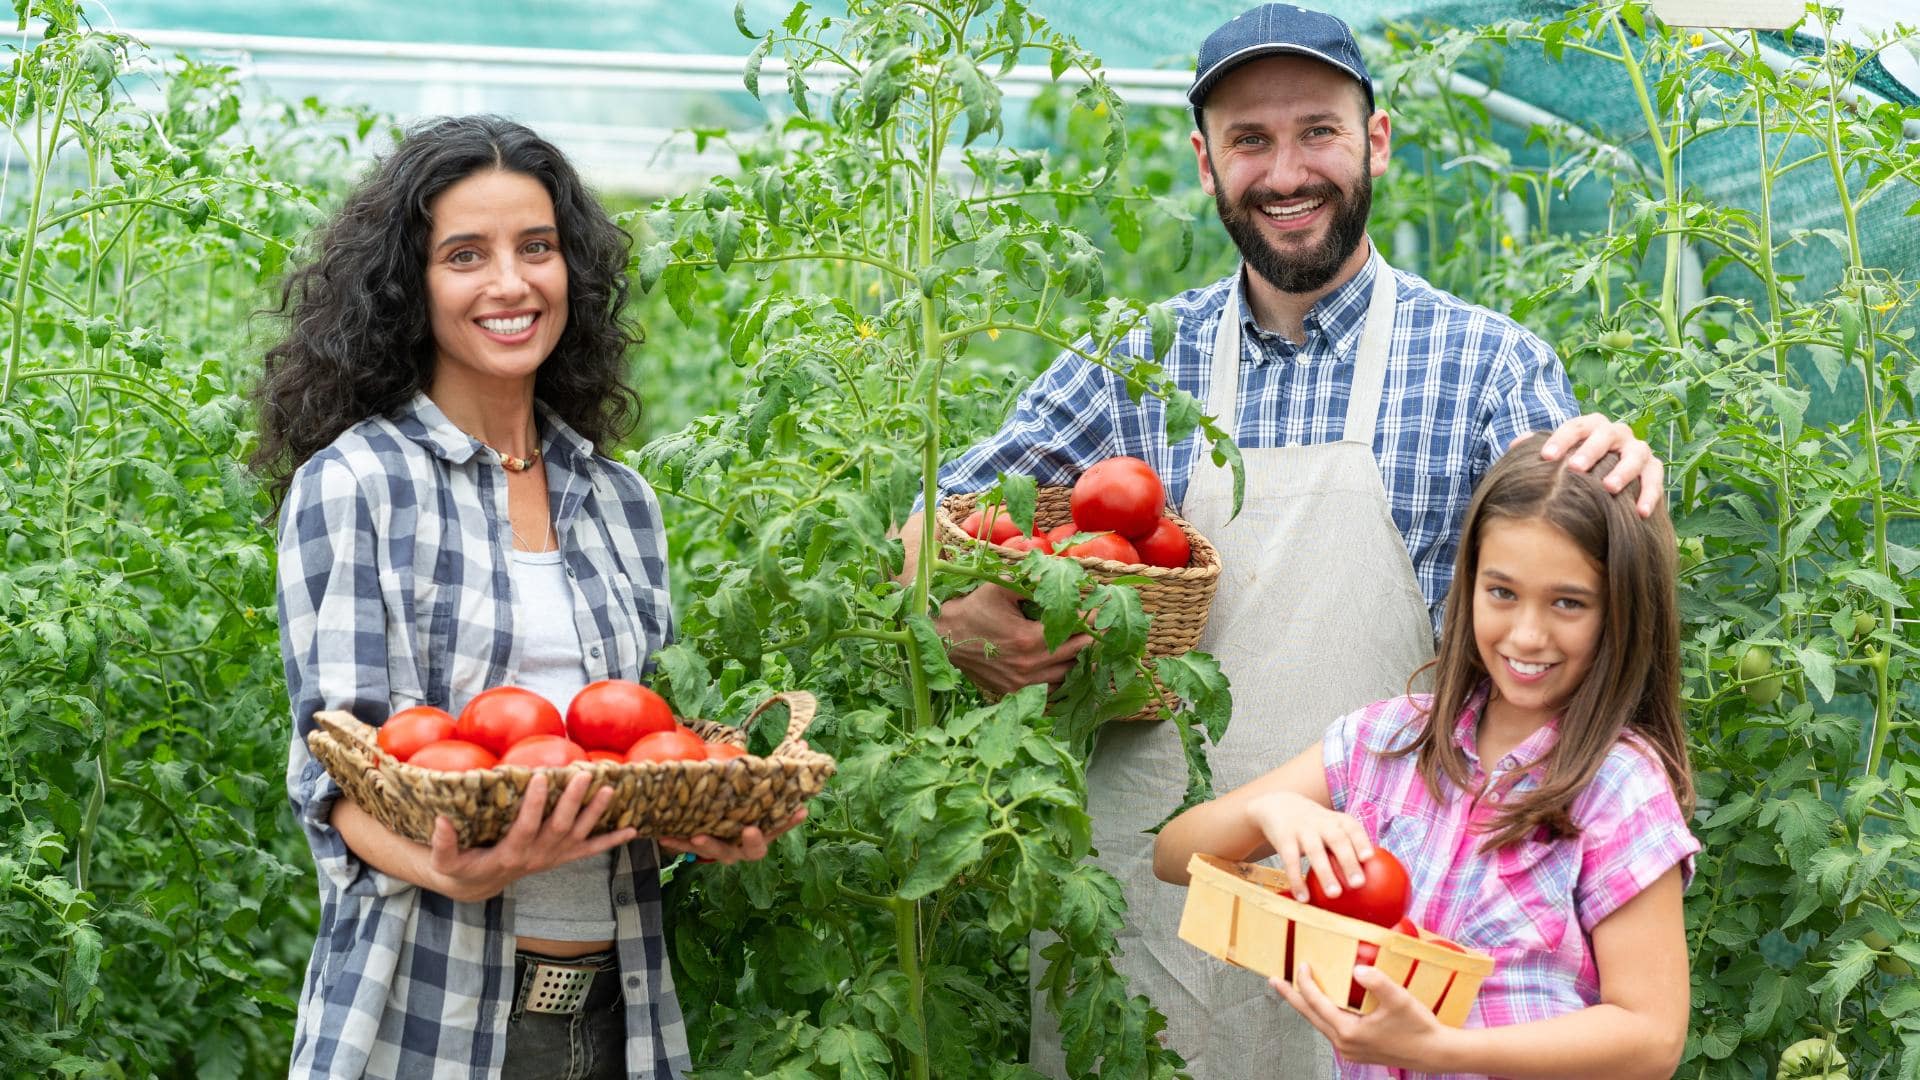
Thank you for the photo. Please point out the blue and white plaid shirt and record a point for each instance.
(1461, 383)
(394, 591)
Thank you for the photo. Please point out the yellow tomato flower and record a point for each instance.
(1886, 307)
(865, 329)
(873, 289)
(1506, 241)
(993, 333)
(1697, 39)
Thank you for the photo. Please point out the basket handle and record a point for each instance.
(800, 709)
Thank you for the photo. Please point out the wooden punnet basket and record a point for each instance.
(1237, 912)
(659, 798)
(1177, 598)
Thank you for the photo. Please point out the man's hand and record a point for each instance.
(1591, 437)
(1000, 649)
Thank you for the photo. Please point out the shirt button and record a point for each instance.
(633, 981)
(569, 571)
(594, 652)
(623, 897)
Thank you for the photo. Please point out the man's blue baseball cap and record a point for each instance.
(1272, 30)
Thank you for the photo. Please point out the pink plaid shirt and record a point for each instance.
(1531, 905)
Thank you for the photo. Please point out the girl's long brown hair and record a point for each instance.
(1633, 687)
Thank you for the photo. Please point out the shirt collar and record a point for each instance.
(1466, 733)
(1339, 316)
(423, 422)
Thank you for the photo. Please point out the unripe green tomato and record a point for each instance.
(1887, 962)
(1812, 1059)
(1693, 552)
(1766, 691)
(1864, 623)
(1755, 662)
(1617, 340)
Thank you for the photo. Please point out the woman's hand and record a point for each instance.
(1298, 827)
(752, 844)
(1399, 1032)
(535, 841)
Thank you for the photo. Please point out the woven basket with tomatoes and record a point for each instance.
(709, 785)
(1177, 593)
(1240, 913)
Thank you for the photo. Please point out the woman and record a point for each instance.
(454, 353)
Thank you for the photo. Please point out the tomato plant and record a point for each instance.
(502, 716)
(612, 714)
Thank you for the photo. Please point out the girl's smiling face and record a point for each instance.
(1538, 609)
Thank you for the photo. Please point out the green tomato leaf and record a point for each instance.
(942, 856)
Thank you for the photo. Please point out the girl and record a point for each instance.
(1538, 798)
(454, 353)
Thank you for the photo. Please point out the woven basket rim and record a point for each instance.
(1205, 562)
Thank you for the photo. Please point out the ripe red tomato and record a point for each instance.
(1105, 546)
(1381, 901)
(1166, 546)
(1028, 543)
(669, 746)
(717, 751)
(453, 755)
(502, 716)
(1002, 527)
(410, 729)
(543, 752)
(1122, 494)
(1367, 954)
(606, 755)
(1057, 535)
(613, 714)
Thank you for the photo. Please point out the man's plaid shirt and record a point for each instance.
(394, 591)
(1462, 382)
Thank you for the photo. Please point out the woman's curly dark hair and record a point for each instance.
(358, 341)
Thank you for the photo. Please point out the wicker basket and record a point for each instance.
(1177, 598)
(1237, 912)
(665, 798)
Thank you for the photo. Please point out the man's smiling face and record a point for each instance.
(1289, 157)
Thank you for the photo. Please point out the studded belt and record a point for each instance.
(548, 985)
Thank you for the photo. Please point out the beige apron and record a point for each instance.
(1318, 613)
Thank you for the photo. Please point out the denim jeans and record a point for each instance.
(588, 1045)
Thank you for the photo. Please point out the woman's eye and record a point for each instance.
(1500, 592)
(464, 257)
(1570, 603)
(539, 247)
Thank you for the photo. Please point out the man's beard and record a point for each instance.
(1312, 269)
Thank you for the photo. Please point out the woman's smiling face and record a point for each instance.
(1538, 609)
(496, 281)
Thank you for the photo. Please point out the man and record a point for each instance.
(1366, 404)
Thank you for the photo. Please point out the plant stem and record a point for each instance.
(906, 941)
(1870, 412)
(31, 234)
(1670, 280)
(1783, 506)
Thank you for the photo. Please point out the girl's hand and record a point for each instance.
(1399, 1032)
(535, 841)
(1298, 827)
(751, 845)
